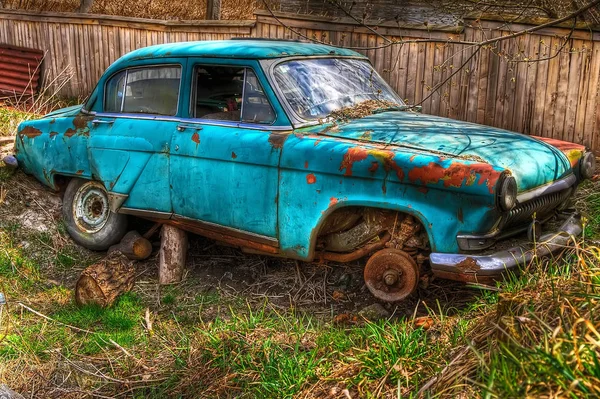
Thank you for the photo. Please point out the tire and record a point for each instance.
(88, 218)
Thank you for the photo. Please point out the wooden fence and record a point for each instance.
(546, 83)
(83, 46)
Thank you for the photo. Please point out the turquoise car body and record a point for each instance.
(272, 186)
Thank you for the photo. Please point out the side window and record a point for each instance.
(230, 93)
(256, 107)
(113, 93)
(152, 90)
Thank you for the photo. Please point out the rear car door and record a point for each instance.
(129, 139)
(224, 164)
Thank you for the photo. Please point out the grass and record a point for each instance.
(10, 119)
(535, 337)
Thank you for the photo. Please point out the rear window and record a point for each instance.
(149, 90)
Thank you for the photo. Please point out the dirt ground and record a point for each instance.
(329, 290)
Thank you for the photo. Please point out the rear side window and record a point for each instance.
(152, 90)
(230, 93)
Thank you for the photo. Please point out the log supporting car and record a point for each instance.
(302, 150)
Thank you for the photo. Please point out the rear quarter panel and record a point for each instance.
(54, 146)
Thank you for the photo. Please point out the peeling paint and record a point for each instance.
(233, 155)
(357, 154)
(311, 178)
(30, 132)
(196, 138)
(277, 139)
(455, 175)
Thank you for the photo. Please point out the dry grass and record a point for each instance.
(156, 9)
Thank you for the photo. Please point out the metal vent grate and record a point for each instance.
(541, 206)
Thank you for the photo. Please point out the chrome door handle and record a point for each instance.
(182, 126)
(100, 121)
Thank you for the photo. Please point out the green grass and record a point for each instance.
(10, 119)
(537, 337)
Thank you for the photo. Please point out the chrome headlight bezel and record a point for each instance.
(506, 194)
(587, 166)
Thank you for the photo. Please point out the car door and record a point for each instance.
(129, 139)
(224, 165)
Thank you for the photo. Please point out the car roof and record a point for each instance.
(239, 48)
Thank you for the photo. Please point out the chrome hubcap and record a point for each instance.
(91, 209)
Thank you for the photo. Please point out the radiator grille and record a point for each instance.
(541, 206)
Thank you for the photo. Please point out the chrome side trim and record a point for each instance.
(143, 213)
(549, 188)
(227, 230)
(496, 264)
(195, 121)
(116, 200)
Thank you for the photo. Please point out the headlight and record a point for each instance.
(587, 166)
(507, 193)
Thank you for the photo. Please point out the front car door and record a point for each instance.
(225, 156)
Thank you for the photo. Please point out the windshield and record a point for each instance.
(315, 88)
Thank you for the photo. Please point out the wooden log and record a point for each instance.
(134, 246)
(102, 282)
(173, 251)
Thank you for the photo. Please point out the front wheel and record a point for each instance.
(88, 217)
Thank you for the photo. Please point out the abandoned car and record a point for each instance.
(302, 150)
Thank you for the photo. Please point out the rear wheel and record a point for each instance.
(88, 217)
(391, 275)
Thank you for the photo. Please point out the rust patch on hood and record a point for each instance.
(385, 157)
(455, 175)
(277, 139)
(30, 132)
(573, 151)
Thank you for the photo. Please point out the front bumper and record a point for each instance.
(488, 268)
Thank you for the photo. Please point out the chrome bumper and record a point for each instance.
(487, 268)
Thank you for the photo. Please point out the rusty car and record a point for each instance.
(301, 150)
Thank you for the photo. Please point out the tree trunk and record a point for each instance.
(213, 9)
(134, 246)
(102, 282)
(85, 6)
(173, 251)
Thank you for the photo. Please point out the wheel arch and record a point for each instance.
(397, 207)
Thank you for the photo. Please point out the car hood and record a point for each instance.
(531, 161)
